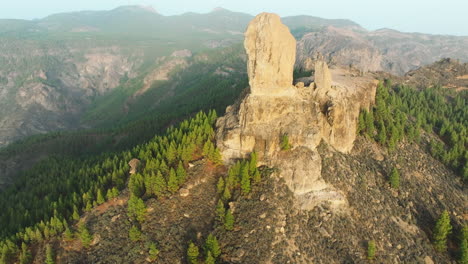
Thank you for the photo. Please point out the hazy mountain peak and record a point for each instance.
(136, 8)
(219, 9)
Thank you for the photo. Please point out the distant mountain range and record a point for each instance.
(86, 69)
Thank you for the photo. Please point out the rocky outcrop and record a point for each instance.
(271, 53)
(275, 109)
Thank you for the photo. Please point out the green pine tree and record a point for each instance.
(212, 245)
(172, 182)
(153, 252)
(192, 253)
(136, 208)
(257, 177)
(220, 185)
(85, 236)
(285, 142)
(441, 231)
(100, 197)
(226, 193)
(229, 220)
(134, 234)
(49, 255)
(25, 256)
(370, 128)
(371, 249)
(68, 234)
(209, 258)
(180, 173)
(382, 135)
(76, 215)
(253, 163)
(361, 127)
(109, 195)
(395, 178)
(220, 211)
(245, 180)
(463, 249)
(160, 185)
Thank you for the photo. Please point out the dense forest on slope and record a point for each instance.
(401, 112)
(43, 201)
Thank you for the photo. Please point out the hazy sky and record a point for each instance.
(428, 16)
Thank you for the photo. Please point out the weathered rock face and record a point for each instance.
(271, 50)
(307, 115)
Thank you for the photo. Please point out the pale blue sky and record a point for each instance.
(427, 16)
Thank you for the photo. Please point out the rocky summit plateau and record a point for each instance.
(273, 108)
(230, 138)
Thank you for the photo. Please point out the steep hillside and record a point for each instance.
(447, 73)
(210, 80)
(381, 50)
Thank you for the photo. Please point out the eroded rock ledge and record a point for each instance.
(324, 110)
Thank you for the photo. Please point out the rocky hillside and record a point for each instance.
(382, 50)
(330, 196)
(447, 73)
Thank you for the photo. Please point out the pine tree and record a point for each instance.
(25, 255)
(371, 249)
(109, 195)
(284, 145)
(134, 234)
(370, 128)
(136, 208)
(245, 180)
(441, 231)
(38, 235)
(464, 246)
(172, 182)
(209, 258)
(49, 255)
(100, 197)
(361, 122)
(229, 220)
(171, 153)
(215, 157)
(226, 193)
(232, 177)
(220, 211)
(89, 206)
(68, 234)
(153, 252)
(253, 163)
(207, 148)
(382, 135)
(212, 245)
(85, 236)
(181, 174)
(220, 185)
(395, 178)
(192, 253)
(136, 185)
(160, 185)
(257, 177)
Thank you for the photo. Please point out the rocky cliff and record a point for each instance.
(275, 113)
